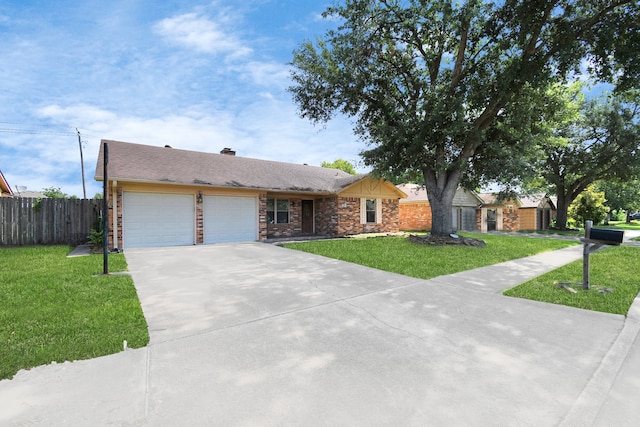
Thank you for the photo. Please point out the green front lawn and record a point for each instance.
(56, 308)
(621, 225)
(398, 255)
(552, 232)
(614, 268)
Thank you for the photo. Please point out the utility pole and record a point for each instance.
(84, 189)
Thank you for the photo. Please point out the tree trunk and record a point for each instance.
(440, 191)
(562, 211)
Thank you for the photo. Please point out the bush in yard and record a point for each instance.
(590, 205)
(96, 236)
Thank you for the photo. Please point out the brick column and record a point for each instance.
(199, 222)
(262, 216)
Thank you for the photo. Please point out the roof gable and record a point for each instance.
(367, 185)
(5, 188)
(152, 164)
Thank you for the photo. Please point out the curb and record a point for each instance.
(587, 406)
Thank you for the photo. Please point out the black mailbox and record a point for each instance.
(606, 236)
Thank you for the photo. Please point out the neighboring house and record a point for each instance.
(5, 188)
(161, 196)
(415, 210)
(477, 212)
(536, 212)
(496, 214)
(526, 213)
(31, 195)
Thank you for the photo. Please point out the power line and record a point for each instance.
(36, 132)
(86, 131)
(30, 124)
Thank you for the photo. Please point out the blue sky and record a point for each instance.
(196, 75)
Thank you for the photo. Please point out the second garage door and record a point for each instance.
(230, 219)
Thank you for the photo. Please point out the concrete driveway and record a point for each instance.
(255, 334)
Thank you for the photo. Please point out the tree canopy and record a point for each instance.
(576, 142)
(432, 84)
(56, 193)
(341, 164)
(621, 195)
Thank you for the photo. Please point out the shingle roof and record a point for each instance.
(489, 198)
(151, 164)
(535, 201)
(414, 192)
(531, 201)
(418, 193)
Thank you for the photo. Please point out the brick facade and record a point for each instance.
(337, 216)
(349, 217)
(262, 216)
(510, 219)
(119, 198)
(415, 216)
(293, 228)
(326, 216)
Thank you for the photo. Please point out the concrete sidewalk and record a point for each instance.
(254, 334)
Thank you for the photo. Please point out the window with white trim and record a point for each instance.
(370, 211)
(277, 211)
(370, 208)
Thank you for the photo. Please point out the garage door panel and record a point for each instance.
(230, 219)
(151, 219)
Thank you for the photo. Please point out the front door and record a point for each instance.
(492, 216)
(307, 217)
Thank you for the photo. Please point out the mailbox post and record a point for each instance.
(594, 239)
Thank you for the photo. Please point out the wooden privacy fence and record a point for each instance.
(26, 221)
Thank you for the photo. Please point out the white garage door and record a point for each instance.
(230, 219)
(158, 220)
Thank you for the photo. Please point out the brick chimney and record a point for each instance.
(228, 152)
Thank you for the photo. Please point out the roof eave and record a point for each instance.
(226, 187)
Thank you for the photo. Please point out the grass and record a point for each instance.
(621, 225)
(55, 308)
(615, 268)
(398, 255)
(576, 233)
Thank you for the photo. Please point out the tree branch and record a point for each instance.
(457, 69)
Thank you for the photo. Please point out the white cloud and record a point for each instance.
(200, 34)
(266, 73)
(221, 83)
(267, 128)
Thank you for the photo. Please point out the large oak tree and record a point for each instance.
(601, 143)
(431, 83)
